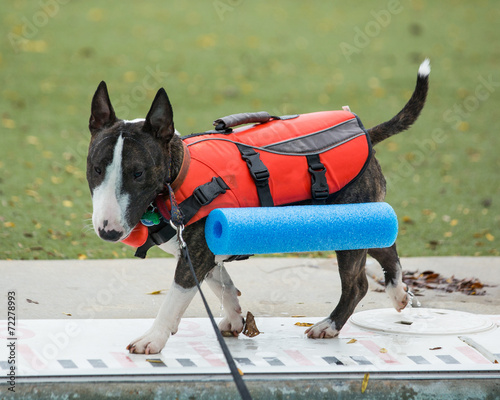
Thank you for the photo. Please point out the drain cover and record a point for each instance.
(421, 321)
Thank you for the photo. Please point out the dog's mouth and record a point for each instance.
(112, 235)
(115, 229)
(111, 229)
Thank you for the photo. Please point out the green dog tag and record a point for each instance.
(150, 218)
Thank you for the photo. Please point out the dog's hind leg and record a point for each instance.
(221, 284)
(354, 287)
(394, 286)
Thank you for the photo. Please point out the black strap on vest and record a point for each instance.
(260, 174)
(202, 195)
(319, 184)
(165, 233)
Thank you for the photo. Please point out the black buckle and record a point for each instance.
(163, 235)
(201, 197)
(316, 167)
(256, 167)
(320, 194)
(319, 187)
(207, 192)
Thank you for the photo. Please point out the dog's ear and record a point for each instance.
(102, 114)
(160, 119)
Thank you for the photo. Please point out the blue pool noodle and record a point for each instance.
(267, 230)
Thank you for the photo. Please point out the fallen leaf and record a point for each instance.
(67, 314)
(154, 360)
(463, 126)
(95, 14)
(392, 146)
(33, 193)
(157, 292)
(298, 316)
(364, 385)
(435, 348)
(489, 237)
(250, 328)
(82, 257)
(382, 350)
(130, 76)
(71, 169)
(408, 220)
(432, 280)
(8, 123)
(9, 224)
(34, 46)
(352, 341)
(33, 140)
(32, 301)
(431, 277)
(303, 324)
(206, 41)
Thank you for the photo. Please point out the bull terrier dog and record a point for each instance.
(128, 166)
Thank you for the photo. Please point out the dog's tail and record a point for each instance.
(410, 112)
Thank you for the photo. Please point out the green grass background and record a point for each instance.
(220, 57)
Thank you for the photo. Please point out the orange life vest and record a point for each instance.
(290, 160)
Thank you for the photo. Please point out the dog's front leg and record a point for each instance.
(182, 291)
(221, 284)
(166, 322)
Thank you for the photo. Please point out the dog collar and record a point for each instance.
(174, 215)
(186, 161)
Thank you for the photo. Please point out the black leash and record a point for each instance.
(238, 380)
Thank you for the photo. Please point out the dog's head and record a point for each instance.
(126, 163)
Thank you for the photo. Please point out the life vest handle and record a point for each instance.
(230, 121)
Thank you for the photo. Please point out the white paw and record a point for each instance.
(232, 326)
(152, 342)
(323, 330)
(398, 295)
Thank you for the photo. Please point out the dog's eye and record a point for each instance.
(137, 174)
(98, 170)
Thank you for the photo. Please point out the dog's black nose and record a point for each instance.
(112, 235)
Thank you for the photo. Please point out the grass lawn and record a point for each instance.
(221, 57)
